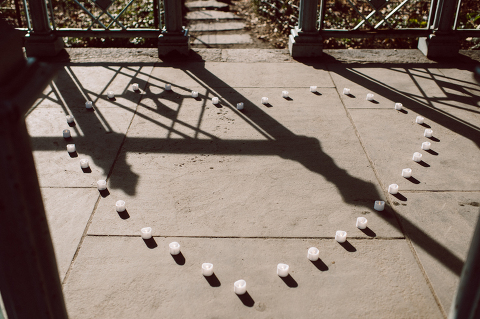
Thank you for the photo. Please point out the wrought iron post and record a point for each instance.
(29, 279)
(305, 39)
(442, 42)
(41, 41)
(174, 37)
(466, 303)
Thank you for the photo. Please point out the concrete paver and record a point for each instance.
(380, 279)
(214, 39)
(448, 220)
(216, 26)
(210, 4)
(211, 15)
(68, 211)
(247, 190)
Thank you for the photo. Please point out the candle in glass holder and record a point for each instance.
(379, 205)
(313, 253)
(426, 146)
(110, 94)
(282, 270)
(369, 97)
(361, 223)
(66, 134)
(398, 106)
(146, 232)
(393, 189)
(419, 120)
(71, 148)
(215, 100)
(346, 91)
(284, 94)
(240, 287)
(407, 172)
(168, 86)
(341, 236)
(264, 100)
(84, 163)
(207, 269)
(174, 248)
(88, 104)
(120, 206)
(240, 106)
(417, 157)
(428, 133)
(102, 185)
(70, 119)
(194, 94)
(135, 87)
(313, 89)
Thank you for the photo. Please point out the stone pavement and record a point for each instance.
(246, 190)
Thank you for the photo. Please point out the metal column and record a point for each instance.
(29, 280)
(174, 38)
(40, 41)
(305, 39)
(442, 43)
(466, 303)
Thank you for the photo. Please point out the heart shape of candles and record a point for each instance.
(341, 236)
(207, 269)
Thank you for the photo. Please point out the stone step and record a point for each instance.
(209, 5)
(222, 39)
(211, 15)
(216, 26)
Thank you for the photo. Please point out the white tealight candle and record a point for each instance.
(282, 270)
(89, 104)
(110, 94)
(398, 106)
(313, 89)
(168, 86)
(71, 148)
(194, 94)
(407, 172)
(146, 232)
(284, 94)
(102, 185)
(207, 269)
(393, 189)
(417, 157)
(369, 97)
(174, 248)
(361, 223)
(215, 100)
(346, 91)
(379, 205)
(120, 206)
(419, 120)
(135, 87)
(313, 253)
(428, 133)
(240, 106)
(70, 118)
(426, 146)
(264, 100)
(240, 287)
(341, 236)
(66, 134)
(84, 163)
